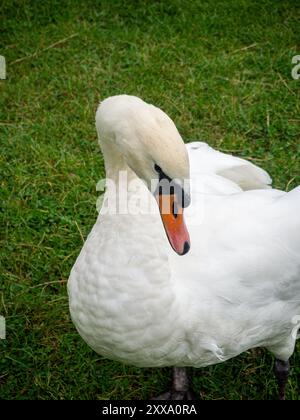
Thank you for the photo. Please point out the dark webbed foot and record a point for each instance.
(180, 387)
(281, 370)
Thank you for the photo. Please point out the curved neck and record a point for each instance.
(121, 183)
(113, 160)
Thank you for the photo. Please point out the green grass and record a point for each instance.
(220, 69)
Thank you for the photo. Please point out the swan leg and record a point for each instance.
(281, 370)
(180, 388)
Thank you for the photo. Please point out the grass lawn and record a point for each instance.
(220, 69)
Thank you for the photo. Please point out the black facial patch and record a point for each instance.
(171, 187)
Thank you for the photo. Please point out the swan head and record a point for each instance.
(147, 140)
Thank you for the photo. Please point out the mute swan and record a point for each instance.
(133, 299)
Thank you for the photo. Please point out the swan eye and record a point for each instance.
(157, 169)
(161, 173)
(171, 188)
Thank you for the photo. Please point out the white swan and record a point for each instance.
(135, 300)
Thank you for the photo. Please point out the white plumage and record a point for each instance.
(133, 299)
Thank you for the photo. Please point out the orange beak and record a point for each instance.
(173, 221)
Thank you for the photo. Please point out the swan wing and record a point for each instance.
(204, 160)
